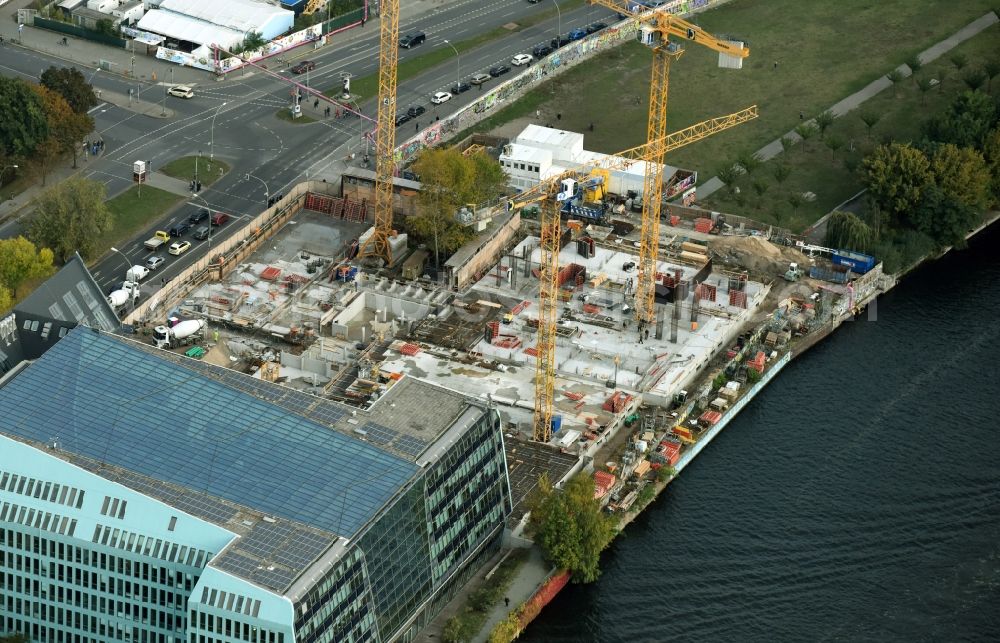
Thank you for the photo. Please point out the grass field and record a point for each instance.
(824, 50)
(131, 211)
(183, 169)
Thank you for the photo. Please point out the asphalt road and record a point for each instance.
(236, 121)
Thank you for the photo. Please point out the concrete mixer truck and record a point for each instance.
(178, 333)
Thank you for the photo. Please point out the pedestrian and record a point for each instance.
(559, 116)
(436, 118)
(647, 333)
(775, 64)
(316, 104)
(416, 126)
(506, 602)
(591, 127)
(538, 114)
(801, 115)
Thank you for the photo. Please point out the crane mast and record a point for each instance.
(377, 245)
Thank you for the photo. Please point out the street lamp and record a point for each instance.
(211, 145)
(458, 65)
(267, 193)
(558, 13)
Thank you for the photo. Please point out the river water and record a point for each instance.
(856, 499)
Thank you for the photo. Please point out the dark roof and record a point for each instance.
(119, 402)
(66, 299)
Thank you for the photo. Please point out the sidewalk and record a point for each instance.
(855, 100)
(530, 576)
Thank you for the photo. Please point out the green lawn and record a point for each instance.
(366, 87)
(131, 211)
(815, 168)
(184, 167)
(825, 51)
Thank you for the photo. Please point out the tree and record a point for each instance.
(47, 155)
(728, 174)
(570, 527)
(22, 118)
(69, 83)
(748, 162)
(870, 119)
(991, 68)
(924, 85)
(896, 176)
(253, 41)
(781, 172)
(959, 60)
(20, 261)
(806, 131)
(943, 218)
(506, 630)
(6, 303)
(787, 143)
(70, 217)
(894, 77)
(966, 122)
(490, 181)
(794, 201)
(974, 79)
(760, 188)
(846, 230)
(833, 143)
(66, 127)
(914, 63)
(991, 152)
(961, 173)
(823, 121)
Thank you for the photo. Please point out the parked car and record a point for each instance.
(402, 118)
(479, 79)
(181, 91)
(221, 217)
(412, 39)
(460, 87)
(499, 70)
(415, 111)
(577, 34)
(201, 233)
(541, 50)
(440, 97)
(199, 216)
(521, 59)
(304, 66)
(154, 262)
(597, 26)
(559, 42)
(179, 247)
(180, 229)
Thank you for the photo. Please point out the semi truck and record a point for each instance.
(178, 333)
(157, 241)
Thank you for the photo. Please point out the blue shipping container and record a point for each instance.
(857, 262)
(826, 274)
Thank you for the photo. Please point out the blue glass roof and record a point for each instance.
(106, 399)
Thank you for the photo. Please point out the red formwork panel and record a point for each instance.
(738, 298)
(705, 291)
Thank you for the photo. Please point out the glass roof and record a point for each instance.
(118, 403)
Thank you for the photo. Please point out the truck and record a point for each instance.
(178, 333)
(119, 298)
(157, 241)
(136, 273)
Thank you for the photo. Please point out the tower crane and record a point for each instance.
(550, 193)
(377, 245)
(655, 29)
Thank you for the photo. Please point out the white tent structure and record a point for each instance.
(222, 22)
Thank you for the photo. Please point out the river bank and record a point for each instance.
(863, 305)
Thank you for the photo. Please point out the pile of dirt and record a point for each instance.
(755, 254)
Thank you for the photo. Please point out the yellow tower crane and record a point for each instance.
(655, 29)
(548, 192)
(377, 245)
